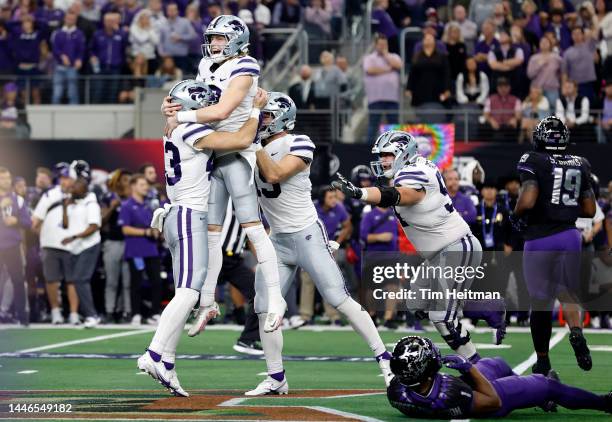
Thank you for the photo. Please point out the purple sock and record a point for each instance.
(169, 366)
(278, 376)
(384, 355)
(156, 357)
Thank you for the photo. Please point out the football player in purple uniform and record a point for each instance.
(488, 388)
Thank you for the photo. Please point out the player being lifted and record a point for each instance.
(556, 190)
(300, 239)
(439, 234)
(488, 388)
(226, 65)
(187, 157)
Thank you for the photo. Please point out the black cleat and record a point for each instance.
(608, 402)
(542, 366)
(551, 406)
(581, 350)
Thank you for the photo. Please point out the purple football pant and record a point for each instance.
(551, 264)
(520, 392)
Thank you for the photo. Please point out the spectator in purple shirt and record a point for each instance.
(141, 249)
(462, 203)
(68, 50)
(26, 52)
(559, 28)
(7, 66)
(332, 213)
(49, 18)
(132, 7)
(378, 230)
(15, 217)
(108, 47)
(383, 23)
(488, 43)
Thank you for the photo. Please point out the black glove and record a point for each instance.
(518, 223)
(347, 187)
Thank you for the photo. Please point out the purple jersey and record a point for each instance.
(332, 218)
(448, 398)
(137, 214)
(379, 221)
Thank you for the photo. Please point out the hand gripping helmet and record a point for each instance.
(235, 32)
(401, 144)
(283, 110)
(192, 94)
(415, 359)
(551, 134)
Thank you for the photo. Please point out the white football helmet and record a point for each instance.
(401, 144)
(235, 32)
(283, 111)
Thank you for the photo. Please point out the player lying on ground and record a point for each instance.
(487, 388)
(439, 234)
(227, 67)
(556, 190)
(300, 239)
(187, 157)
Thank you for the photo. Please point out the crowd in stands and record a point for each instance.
(90, 256)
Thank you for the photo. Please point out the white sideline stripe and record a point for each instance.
(85, 340)
(523, 366)
(343, 414)
(28, 371)
(597, 348)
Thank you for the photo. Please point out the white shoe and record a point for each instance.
(153, 320)
(147, 364)
(136, 319)
(270, 386)
(91, 322)
(296, 321)
(204, 314)
(385, 368)
(168, 379)
(74, 319)
(276, 311)
(56, 316)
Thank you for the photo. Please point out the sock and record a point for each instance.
(266, 258)
(279, 376)
(383, 356)
(215, 261)
(169, 366)
(272, 344)
(574, 398)
(155, 356)
(173, 320)
(541, 330)
(362, 323)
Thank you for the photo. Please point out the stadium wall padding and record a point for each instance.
(498, 159)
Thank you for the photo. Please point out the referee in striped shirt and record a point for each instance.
(239, 275)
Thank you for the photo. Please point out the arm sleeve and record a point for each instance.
(302, 147)
(195, 131)
(94, 215)
(526, 168)
(245, 66)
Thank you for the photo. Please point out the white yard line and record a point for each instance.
(523, 366)
(343, 414)
(86, 340)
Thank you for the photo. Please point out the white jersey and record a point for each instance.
(188, 168)
(433, 223)
(288, 205)
(221, 76)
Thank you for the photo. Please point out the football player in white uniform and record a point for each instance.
(227, 66)
(187, 158)
(425, 211)
(300, 239)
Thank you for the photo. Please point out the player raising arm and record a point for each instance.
(488, 388)
(440, 235)
(283, 169)
(187, 158)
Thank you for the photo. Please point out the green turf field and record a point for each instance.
(95, 372)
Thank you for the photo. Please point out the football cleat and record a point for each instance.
(551, 406)
(276, 311)
(148, 365)
(203, 315)
(270, 386)
(249, 348)
(581, 350)
(169, 379)
(385, 368)
(608, 401)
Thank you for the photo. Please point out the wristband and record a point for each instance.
(187, 116)
(364, 194)
(255, 113)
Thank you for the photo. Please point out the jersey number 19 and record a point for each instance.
(566, 186)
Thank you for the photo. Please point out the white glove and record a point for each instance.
(159, 215)
(334, 245)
